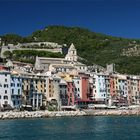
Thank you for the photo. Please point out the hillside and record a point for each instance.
(93, 47)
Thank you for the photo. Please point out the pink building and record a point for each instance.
(71, 93)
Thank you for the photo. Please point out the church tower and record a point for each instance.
(72, 53)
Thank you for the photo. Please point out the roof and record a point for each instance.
(63, 66)
(72, 47)
(62, 82)
(49, 58)
(4, 71)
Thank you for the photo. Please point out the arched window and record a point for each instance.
(6, 97)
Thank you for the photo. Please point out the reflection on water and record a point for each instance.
(71, 128)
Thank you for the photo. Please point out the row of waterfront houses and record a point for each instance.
(67, 90)
(65, 83)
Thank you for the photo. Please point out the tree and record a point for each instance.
(8, 54)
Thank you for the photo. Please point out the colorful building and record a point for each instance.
(71, 93)
(101, 87)
(63, 93)
(16, 91)
(5, 92)
(33, 90)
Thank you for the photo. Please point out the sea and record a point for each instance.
(72, 128)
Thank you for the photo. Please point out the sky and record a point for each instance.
(112, 17)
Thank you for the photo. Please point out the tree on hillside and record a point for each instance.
(8, 54)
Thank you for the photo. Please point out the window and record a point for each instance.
(6, 97)
(12, 91)
(5, 91)
(0, 96)
(5, 102)
(5, 80)
(60, 91)
(5, 74)
(73, 52)
(14, 102)
(5, 85)
(73, 89)
(27, 87)
(12, 84)
(18, 85)
(18, 91)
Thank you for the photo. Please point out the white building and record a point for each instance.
(78, 87)
(5, 93)
(101, 87)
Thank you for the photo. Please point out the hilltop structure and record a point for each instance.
(72, 54)
(61, 64)
(45, 46)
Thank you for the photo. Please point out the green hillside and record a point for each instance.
(93, 47)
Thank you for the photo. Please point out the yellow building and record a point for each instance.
(33, 90)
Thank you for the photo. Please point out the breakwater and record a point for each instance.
(39, 114)
(115, 112)
(46, 114)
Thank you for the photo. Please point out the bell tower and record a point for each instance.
(72, 53)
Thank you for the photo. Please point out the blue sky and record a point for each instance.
(112, 17)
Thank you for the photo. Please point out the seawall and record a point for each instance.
(47, 114)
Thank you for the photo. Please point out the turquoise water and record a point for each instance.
(71, 128)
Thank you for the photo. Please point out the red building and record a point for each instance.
(85, 87)
(3, 68)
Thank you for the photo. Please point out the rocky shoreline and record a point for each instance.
(47, 114)
(115, 112)
(39, 114)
